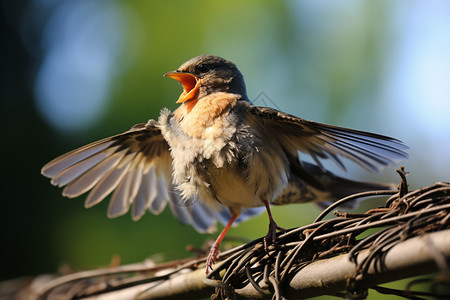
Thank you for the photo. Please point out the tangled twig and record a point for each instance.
(410, 214)
(406, 214)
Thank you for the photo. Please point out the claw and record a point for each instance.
(271, 236)
(211, 257)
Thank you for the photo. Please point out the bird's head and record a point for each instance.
(207, 74)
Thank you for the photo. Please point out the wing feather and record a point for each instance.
(145, 195)
(67, 160)
(105, 186)
(321, 141)
(118, 205)
(134, 166)
(90, 178)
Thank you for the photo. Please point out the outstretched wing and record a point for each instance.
(321, 141)
(136, 167)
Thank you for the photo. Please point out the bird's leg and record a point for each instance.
(215, 247)
(271, 236)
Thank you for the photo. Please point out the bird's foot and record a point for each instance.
(271, 236)
(212, 257)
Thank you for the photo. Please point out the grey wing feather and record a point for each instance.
(321, 141)
(145, 195)
(203, 217)
(192, 212)
(135, 166)
(179, 209)
(91, 178)
(67, 160)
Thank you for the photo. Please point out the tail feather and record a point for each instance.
(331, 188)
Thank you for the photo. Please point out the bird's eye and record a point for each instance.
(203, 68)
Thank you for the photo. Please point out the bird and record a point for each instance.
(220, 158)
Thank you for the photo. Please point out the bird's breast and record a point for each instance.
(230, 162)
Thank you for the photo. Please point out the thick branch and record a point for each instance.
(410, 258)
(325, 257)
(407, 259)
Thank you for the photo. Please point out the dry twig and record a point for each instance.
(271, 274)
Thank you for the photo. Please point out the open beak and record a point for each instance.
(189, 82)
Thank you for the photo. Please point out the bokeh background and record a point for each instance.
(74, 71)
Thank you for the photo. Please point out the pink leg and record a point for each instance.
(215, 247)
(271, 236)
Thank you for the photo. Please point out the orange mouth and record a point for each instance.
(190, 85)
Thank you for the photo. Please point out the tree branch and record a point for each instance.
(411, 237)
